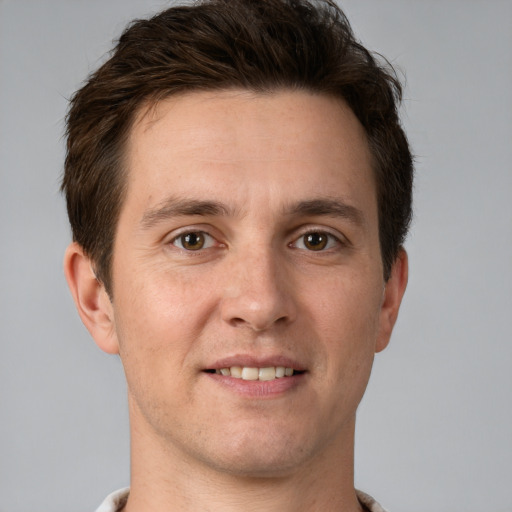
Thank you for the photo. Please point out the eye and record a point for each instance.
(316, 241)
(194, 241)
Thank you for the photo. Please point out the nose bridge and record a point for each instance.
(257, 294)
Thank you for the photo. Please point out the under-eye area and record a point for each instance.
(251, 373)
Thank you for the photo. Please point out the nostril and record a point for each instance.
(258, 324)
(237, 321)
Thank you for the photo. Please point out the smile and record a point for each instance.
(250, 373)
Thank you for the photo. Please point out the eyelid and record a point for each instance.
(206, 236)
(340, 240)
(176, 234)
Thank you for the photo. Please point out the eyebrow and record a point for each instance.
(328, 207)
(174, 207)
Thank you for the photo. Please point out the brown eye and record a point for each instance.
(315, 241)
(193, 241)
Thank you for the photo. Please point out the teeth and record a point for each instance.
(280, 371)
(235, 371)
(247, 373)
(267, 373)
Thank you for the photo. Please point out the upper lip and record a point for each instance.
(252, 361)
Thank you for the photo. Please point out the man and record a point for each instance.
(239, 189)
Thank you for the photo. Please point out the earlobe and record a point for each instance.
(392, 298)
(91, 299)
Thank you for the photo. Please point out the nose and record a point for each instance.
(259, 292)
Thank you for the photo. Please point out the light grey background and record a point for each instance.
(434, 431)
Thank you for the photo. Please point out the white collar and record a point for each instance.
(117, 500)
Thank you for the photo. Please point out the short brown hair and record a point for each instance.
(259, 45)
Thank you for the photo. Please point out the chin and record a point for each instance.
(262, 452)
(256, 463)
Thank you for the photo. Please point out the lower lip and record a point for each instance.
(259, 388)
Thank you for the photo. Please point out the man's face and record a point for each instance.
(248, 239)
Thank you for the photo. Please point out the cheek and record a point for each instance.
(157, 325)
(153, 319)
(162, 302)
(349, 323)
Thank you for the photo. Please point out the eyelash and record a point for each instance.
(330, 241)
(209, 240)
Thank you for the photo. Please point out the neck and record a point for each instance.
(164, 478)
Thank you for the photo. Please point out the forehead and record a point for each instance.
(244, 141)
(229, 117)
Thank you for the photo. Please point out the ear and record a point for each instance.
(392, 298)
(91, 299)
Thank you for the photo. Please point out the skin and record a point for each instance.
(277, 167)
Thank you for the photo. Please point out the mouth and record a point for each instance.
(258, 376)
(249, 373)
